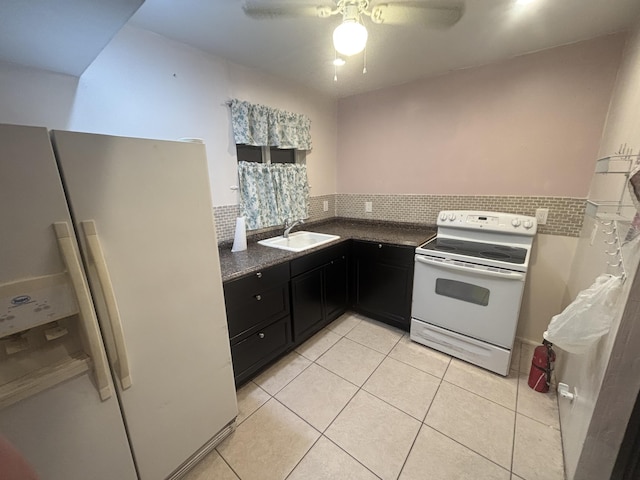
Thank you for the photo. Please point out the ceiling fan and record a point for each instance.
(350, 37)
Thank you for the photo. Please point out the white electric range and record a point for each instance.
(468, 285)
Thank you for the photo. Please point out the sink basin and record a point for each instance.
(298, 241)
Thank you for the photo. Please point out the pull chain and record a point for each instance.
(364, 68)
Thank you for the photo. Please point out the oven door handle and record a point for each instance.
(485, 273)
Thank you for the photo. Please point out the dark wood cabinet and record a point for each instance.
(272, 311)
(382, 281)
(258, 315)
(318, 290)
(307, 303)
(336, 287)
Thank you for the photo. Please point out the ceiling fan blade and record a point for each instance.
(264, 10)
(429, 14)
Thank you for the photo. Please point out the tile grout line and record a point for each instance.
(453, 439)
(227, 464)
(322, 433)
(422, 424)
(361, 388)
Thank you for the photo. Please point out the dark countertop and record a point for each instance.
(257, 257)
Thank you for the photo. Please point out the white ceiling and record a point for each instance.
(301, 49)
(63, 36)
(66, 35)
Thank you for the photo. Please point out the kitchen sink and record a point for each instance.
(299, 241)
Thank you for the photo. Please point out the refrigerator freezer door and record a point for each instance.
(65, 431)
(150, 204)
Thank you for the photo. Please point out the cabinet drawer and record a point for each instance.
(383, 252)
(317, 259)
(260, 348)
(250, 309)
(238, 291)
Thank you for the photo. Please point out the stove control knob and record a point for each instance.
(527, 224)
(452, 216)
(515, 222)
(443, 216)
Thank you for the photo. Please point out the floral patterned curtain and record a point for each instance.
(260, 126)
(271, 193)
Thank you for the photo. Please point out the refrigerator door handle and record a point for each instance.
(95, 250)
(70, 257)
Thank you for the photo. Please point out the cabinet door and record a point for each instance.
(383, 282)
(256, 350)
(306, 300)
(336, 292)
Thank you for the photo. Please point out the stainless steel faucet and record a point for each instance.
(287, 227)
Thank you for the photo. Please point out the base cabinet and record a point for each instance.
(307, 303)
(336, 287)
(258, 315)
(382, 282)
(272, 311)
(318, 290)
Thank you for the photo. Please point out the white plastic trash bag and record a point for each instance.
(587, 318)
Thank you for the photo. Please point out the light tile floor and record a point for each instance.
(359, 400)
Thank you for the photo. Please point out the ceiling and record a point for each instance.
(63, 36)
(301, 49)
(66, 36)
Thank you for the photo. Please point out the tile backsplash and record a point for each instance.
(565, 213)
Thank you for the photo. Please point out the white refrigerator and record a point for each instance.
(114, 348)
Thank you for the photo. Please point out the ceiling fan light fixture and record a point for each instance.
(350, 37)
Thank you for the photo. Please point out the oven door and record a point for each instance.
(474, 300)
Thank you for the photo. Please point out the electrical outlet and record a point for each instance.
(368, 207)
(325, 205)
(541, 215)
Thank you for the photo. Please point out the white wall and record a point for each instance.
(146, 85)
(591, 435)
(29, 96)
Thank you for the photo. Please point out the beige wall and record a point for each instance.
(530, 126)
(527, 126)
(546, 288)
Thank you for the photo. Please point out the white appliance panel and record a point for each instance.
(488, 356)
(143, 196)
(67, 432)
(487, 303)
(32, 199)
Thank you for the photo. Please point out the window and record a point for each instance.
(249, 153)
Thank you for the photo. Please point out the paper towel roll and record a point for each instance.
(240, 238)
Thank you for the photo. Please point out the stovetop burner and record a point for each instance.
(503, 253)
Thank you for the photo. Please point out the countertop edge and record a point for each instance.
(236, 265)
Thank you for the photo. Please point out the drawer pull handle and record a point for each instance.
(379, 245)
(258, 297)
(261, 335)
